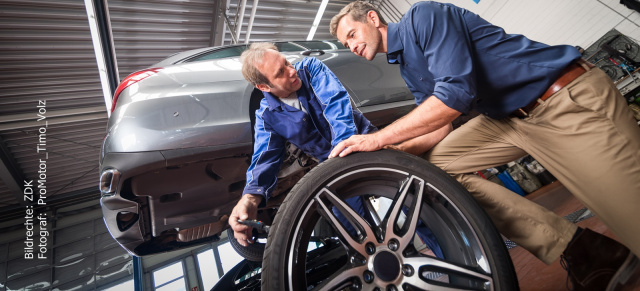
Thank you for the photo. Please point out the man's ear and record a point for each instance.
(263, 87)
(373, 17)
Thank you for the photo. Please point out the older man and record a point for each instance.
(304, 104)
(534, 98)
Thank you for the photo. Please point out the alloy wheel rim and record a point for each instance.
(387, 241)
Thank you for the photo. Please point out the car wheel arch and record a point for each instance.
(254, 104)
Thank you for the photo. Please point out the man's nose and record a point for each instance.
(292, 71)
(354, 48)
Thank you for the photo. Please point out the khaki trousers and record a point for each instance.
(585, 135)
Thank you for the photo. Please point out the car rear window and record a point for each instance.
(321, 45)
(294, 46)
(235, 51)
(288, 47)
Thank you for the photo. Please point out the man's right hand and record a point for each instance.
(356, 143)
(247, 208)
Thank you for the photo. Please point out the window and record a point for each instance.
(228, 256)
(337, 43)
(170, 278)
(315, 45)
(298, 46)
(228, 52)
(127, 285)
(288, 47)
(208, 269)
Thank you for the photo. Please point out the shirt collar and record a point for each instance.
(394, 45)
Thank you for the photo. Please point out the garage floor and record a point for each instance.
(532, 273)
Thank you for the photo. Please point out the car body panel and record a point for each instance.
(181, 140)
(373, 82)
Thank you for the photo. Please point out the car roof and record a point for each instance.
(236, 49)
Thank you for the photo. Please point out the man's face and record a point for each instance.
(281, 74)
(363, 39)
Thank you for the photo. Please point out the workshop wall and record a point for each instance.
(70, 249)
(572, 22)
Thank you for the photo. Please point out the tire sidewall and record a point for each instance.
(275, 261)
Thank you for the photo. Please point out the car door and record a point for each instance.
(377, 87)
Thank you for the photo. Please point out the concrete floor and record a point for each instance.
(533, 274)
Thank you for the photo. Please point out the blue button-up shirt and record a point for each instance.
(329, 120)
(469, 63)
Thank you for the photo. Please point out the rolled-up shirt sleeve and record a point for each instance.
(268, 150)
(447, 48)
(419, 96)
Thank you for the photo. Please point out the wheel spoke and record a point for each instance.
(377, 222)
(395, 210)
(349, 214)
(413, 214)
(417, 282)
(339, 277)
(445, 267)
(372, 211)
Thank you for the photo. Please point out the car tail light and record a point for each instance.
(108, 181)
(130, 80)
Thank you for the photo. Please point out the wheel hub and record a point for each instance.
(386, 266)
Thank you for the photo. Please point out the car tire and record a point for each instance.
(254, 105)
(253, 252)
(383, 253)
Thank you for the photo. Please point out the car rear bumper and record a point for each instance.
(157, 194)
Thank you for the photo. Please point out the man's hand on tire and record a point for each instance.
(356, 143)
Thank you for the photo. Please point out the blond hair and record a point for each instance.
(358, 11)
(250, 58)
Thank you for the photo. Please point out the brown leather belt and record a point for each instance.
(570, 73)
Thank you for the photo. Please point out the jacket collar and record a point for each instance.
(274, 101)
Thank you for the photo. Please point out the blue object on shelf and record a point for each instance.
(510, 183)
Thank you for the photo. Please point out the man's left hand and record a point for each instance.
(356, 143)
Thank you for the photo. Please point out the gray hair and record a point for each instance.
(253, 56)
(358, 11)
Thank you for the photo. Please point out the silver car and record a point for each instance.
(179, 140)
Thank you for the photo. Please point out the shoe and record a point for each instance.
(596, 262)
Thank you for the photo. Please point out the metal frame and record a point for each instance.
(101, 36)
(11, 173)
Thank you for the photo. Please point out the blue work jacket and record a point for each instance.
(469, 63)
(329, 120)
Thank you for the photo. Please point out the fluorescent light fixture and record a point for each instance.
(316, 21)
